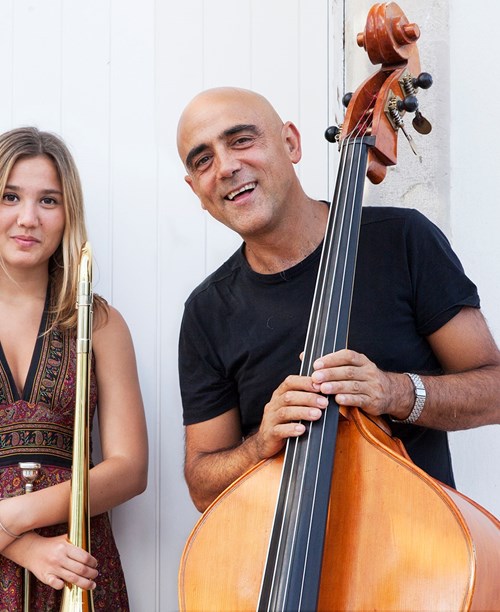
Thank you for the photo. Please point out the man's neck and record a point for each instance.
(277, 252)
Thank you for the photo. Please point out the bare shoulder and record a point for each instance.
(115, 359)
(110, 331)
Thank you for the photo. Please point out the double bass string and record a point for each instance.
(290, 480)
(351, 175)
(323, 294)
(315, 342)
(337, 218)
(338, 207)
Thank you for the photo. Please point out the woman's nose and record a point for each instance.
(28, 215)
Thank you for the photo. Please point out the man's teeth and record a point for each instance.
(233, 194)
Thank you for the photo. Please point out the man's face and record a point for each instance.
(239, 157)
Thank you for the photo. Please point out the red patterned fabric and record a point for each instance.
(37, 425)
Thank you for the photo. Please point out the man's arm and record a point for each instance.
(468, 395)
(216, 454)
(465, 396)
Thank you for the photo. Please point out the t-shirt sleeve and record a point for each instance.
(206, 390)
(440, 286)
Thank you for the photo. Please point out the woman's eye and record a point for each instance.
(9, 198)
(49, 201)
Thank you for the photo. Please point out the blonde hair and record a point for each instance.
(63, 264)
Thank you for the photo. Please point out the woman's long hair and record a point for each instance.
(63, 264)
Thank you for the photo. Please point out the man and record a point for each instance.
(244, 327)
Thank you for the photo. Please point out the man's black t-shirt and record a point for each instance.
(242, 332)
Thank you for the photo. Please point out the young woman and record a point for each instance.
(42, 230)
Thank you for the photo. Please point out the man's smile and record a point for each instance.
(245, 188)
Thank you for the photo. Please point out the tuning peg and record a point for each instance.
(420, 123)
(346, 98)
(410, 104)
(424, 80)
(332, 133)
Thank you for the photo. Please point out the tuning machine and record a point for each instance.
(409, 86)
(332, 133)
(395, 106)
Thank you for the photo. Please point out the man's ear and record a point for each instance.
(189, 181)
(291, 138)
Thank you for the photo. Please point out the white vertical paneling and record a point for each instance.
(36, 68)
(182, 256)
(85, 69)
(228, 54)
(275, 51)
(6, 53)
(112, 77)
(227, 43)
(312, 95)
(134, 237)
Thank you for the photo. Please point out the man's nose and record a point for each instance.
(227, 164)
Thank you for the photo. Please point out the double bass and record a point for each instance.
(343, 519)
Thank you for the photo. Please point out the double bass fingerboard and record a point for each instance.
(292, 573)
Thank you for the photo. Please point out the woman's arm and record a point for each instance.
(122, 473)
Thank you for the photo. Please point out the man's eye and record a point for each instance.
(243, 140)
(202, 161)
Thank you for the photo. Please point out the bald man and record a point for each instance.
(420, 352)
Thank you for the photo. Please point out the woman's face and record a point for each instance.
(32, 214)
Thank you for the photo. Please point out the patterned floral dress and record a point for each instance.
(38, 426)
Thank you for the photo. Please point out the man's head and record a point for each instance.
(239, 158)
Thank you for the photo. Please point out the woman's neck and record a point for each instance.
(19, 286)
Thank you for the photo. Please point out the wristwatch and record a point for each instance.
(420, 396)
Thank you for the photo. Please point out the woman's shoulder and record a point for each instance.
(109, 326)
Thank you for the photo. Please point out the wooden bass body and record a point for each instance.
(396, 538)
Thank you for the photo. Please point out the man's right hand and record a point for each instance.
(217, 454)
(293, 401)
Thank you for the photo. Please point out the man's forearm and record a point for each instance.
(462, 401)
(208, 474)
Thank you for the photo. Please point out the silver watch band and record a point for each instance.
(420, 397)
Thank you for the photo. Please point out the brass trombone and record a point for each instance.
(76, 599)
(29, 473)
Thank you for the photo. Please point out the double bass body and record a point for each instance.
(396, 538)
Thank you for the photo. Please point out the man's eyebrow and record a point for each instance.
(235, 129)
(243, 127)
(193, 153)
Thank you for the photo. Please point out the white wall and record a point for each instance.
(112, 76)
(475, 207)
